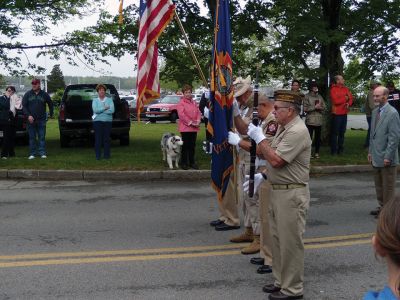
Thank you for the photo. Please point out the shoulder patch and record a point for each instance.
(271, 128)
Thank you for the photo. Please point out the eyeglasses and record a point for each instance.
(278, 107)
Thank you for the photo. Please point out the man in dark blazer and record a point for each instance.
(384, 140)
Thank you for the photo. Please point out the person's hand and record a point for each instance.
(369, 158)
(31, 119)
(346, 105)
(386, 162)
(235, 108)
(318, 106)
(258, 179)
(206, 113)
(106, 107)
(255, 132)
(233, 138)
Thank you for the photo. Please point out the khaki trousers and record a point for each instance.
(385, 184)
(288, 220)
(228, 208)
(250, 206)
(264, 192)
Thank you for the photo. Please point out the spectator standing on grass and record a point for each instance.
(103, 109)
(369, 106)
(341, 99)
(386, 243)
(383, 144)
(34, 107)
(188, 125)
(7, 121)
(314, 106)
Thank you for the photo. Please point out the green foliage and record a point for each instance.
(55, 80)
(56, 97)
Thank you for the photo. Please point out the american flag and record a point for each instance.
(154, 17)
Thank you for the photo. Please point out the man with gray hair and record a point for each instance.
(288, 168)
(383, 144)
(258, 205)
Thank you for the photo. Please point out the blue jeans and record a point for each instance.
(102, 133)
(37, 129)
(339, 123)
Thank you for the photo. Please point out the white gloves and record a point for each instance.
(235, 108)
(258, 179)
(233, 138)
(255, 133)
(206, 112)
(207, 147)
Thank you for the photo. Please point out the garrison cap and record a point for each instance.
(288, 96)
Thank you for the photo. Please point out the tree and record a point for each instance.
(55, 80)
(15, 15)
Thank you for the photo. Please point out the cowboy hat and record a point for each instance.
(241, 86)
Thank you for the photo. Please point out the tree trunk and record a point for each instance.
(331, 61)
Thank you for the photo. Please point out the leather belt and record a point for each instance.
(287, 186)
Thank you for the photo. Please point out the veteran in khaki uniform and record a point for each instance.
(288, 166)
(258, 216)
(243, 111)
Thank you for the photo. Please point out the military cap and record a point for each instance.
(288, 96)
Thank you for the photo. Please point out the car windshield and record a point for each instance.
(171, 99)
(87, 94)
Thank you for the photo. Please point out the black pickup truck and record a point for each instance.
(75, 117)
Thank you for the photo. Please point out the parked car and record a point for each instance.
(166, 109)
(132, 102)
(75, 117)
(21, 128)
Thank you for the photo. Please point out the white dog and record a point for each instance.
(171, 145)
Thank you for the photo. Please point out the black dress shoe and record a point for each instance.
(257, 261)
(280, 296)
(376, 211)
(184, 167)
(271, 288)
(264, 269)
(225, 227)
(216, 222)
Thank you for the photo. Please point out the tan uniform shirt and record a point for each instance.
(246, 112)
(293, 144)
(314, 117)
(269, 127)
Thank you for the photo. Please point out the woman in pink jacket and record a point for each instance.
(188, 126)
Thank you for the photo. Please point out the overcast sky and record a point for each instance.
(125, 67)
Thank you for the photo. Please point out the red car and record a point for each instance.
(166, 109)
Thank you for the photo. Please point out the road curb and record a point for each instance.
(172, 175)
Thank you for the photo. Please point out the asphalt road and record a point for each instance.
(101, 240)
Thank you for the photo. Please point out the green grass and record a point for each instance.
(144, 152)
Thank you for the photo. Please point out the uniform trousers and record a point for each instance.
(228, 207)
(385, 184)
(264, 192)
(287, 222)
(249, 205)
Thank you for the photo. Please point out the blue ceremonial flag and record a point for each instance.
(221, 99)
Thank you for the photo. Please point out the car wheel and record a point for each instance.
(124, 140)
(173, 117)
(152, 120)
(64, 141)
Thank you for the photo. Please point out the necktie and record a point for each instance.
(378, 116)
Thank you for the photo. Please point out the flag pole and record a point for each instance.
(203, 78)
